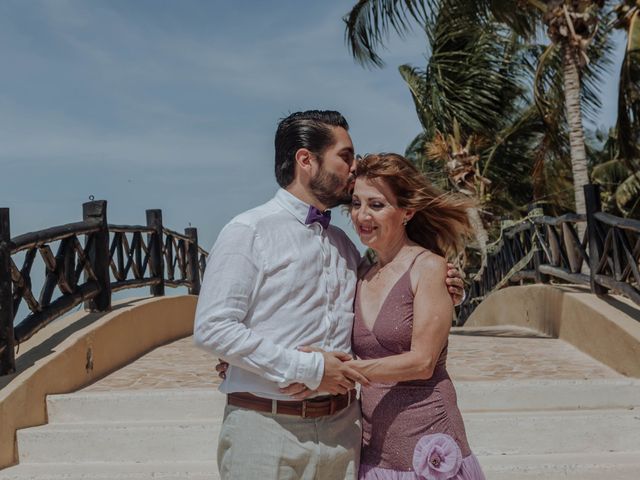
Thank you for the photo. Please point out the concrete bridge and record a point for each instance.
(547, 379)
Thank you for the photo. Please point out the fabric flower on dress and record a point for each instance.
(437, 457)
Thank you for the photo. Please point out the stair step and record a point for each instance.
(524, 433)
(116, 471)
(188, 404)
(136, 406)
(119, 442)
(501, 433)
(618, 466)
(548, 394)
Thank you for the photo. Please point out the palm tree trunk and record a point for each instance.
(576, 133)
(482, 237)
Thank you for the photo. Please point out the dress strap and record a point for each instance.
(416, 258)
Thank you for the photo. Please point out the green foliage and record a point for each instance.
(476, 77)
(487, 73)
(628, 124)
(619, 184)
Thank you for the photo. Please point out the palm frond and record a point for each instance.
(416, 153)
(523, 22)
(517, 135)
(549, 85)
(370, 22)
(415, 80)
(628, 193)
(600, 53)
(612, 172)
(628, 124)
(548, 88)
(472, 76)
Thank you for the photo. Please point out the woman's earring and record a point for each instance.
(405, 221)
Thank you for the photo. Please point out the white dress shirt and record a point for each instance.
(273, 284)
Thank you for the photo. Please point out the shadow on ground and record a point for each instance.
(34, 353)
(510, 332)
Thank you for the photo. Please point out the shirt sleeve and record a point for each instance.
(233, 271)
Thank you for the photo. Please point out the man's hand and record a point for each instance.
(455, 285)
(221, 368)
(298, 391)
(338, 377)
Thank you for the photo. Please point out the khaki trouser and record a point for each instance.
(262, 446)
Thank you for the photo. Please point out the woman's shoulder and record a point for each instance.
(428, 265)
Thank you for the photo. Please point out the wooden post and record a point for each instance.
(156, 259)
(193, 259)
(538, 257)
(99, 255)
(592, 200)
(7, 355)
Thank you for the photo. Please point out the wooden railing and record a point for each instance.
(597, 250)
(93, 259)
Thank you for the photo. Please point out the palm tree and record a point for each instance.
(571, 25)
(618, 162)
(472, 104)
(620, 184)
(628, 124)
(461, 166)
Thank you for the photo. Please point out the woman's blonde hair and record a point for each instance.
(440, 222)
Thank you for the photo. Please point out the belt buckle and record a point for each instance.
(304, 409)
(274, 407)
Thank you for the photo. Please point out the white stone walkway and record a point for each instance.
(534, 408)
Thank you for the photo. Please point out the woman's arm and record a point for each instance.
(432, 316)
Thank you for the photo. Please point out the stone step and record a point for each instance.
(116, 471)
(136, 406)
(551, 432)
(195, 441)
(618, 466)
(501, 433)
(509, 395)
(188, 404)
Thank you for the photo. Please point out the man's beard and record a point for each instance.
(329, 189)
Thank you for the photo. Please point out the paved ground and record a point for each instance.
(491, 353)
(475, 354)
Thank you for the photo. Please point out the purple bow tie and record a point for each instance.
(315, 215)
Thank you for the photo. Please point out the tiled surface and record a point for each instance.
(518, 354)
(475, 354)
(176, 365)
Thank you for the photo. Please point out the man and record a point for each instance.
(279, 278)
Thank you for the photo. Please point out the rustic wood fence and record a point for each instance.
(93, 259)
(596, 250)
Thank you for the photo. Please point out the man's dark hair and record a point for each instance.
(311, 130)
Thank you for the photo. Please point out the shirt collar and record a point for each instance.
(293, 205)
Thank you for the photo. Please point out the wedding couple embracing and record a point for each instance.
(298, 317)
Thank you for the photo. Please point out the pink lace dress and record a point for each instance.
(411, 430)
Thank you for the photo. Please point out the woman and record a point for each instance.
(412, 427)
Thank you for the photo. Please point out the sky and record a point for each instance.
(174, 104)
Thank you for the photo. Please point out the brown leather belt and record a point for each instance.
(312, 408)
